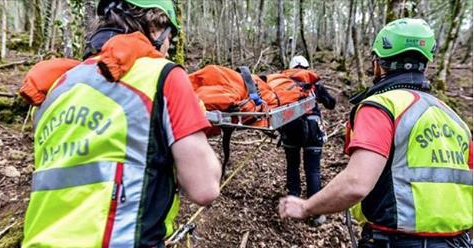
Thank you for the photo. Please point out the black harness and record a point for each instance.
(413, 80)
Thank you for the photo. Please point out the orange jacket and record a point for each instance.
(302, 75)
(42, 76)
(117, 57)
(287, 85)
(224, 89)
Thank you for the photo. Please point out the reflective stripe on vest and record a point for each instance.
(51, 176)
(404, 176)
(60, 178)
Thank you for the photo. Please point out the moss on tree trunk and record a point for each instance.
(180, 53)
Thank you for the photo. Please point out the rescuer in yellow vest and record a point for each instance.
(410, 167)
(111, 154)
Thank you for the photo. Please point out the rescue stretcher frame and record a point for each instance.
(275, 118)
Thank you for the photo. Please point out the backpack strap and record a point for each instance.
(352, 116)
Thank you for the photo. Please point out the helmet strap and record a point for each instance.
(402, 66)
(161, 39)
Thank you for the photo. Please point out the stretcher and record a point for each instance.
(269, 120)
(245, 101)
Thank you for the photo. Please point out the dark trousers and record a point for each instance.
(312, 164)
(375, 239)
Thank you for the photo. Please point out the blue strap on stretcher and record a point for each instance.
(254, 94)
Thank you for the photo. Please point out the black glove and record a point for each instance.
(324, 97)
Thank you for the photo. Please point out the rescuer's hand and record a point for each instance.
(293, 207)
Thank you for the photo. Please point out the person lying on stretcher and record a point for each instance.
(224, 89)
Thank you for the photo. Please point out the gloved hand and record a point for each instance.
(324, 97)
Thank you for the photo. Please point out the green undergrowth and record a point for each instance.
(13, 109)
(12, 237)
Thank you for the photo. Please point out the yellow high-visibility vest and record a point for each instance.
(104, 174)
(426, 187)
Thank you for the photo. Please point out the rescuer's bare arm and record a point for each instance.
(348, 188)
(198, 169)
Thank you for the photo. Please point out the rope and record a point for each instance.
(242, 165)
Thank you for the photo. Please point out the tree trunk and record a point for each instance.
(444, 53)
(56, 8)
(230, 51)
(48, 21)
(347, 36)
(295, 28)
(336, 35)
(440, 38)
(38, 37)
(382, 16)
(27, 15)
(32, 32)
(203, 38)
(281, 35)
(468, 52)
(455, 40)
(314, 27)
(248, 9)
(188, 15)
(350, 22)
(324, 26)
(241, 17)
(357, 53)
(227, 27)
(89, 17)
(364, 22)
(220, 28)
(375, 29)
(16, 17)
(180, 55)
(302, 33)
(3, 46)
(258, 45)
(67, 33)
(238, 25)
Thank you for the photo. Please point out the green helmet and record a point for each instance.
(166, 5)
(403, 35)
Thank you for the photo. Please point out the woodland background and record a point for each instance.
(252, 32)
(335, 36)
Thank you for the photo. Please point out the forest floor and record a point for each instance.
(247, 207)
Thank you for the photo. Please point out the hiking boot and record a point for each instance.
(317, 220)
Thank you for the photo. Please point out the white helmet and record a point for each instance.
(299, 61)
